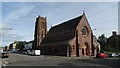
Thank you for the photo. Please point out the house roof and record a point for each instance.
(65, 26)
(62, 32)
(59, 37)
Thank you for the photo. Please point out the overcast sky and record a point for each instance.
(20, 16)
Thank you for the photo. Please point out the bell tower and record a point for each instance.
(40, 31)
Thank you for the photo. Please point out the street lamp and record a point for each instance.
(94, 29)
(6, 28)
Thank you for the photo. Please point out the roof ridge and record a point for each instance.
(67, 21)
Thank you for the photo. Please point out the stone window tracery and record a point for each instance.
(84, 31)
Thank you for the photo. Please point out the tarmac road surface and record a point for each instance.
(43, 60)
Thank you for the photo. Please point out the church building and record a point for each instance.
(71, 38)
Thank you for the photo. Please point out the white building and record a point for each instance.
(28, 45)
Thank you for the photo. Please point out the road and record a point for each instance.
(0, 62)
(43, 60)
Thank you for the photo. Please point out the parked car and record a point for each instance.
(24, 52)
(10, 51)
(5, 55)
(101, 55)
(119, 54)
(113, 55)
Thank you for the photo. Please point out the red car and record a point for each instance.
(101, 55)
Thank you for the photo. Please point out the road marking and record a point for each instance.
(5, 61)
(4, 65)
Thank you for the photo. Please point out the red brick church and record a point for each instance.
(70, 38)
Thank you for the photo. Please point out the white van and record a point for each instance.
(33, 52)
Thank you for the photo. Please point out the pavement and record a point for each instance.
(45, 60)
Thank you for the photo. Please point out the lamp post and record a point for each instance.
(93, 31)
(7, 28)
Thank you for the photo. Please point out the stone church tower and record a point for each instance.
(40, 31)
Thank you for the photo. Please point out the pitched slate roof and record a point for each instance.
(68, 25)
(62, 32)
